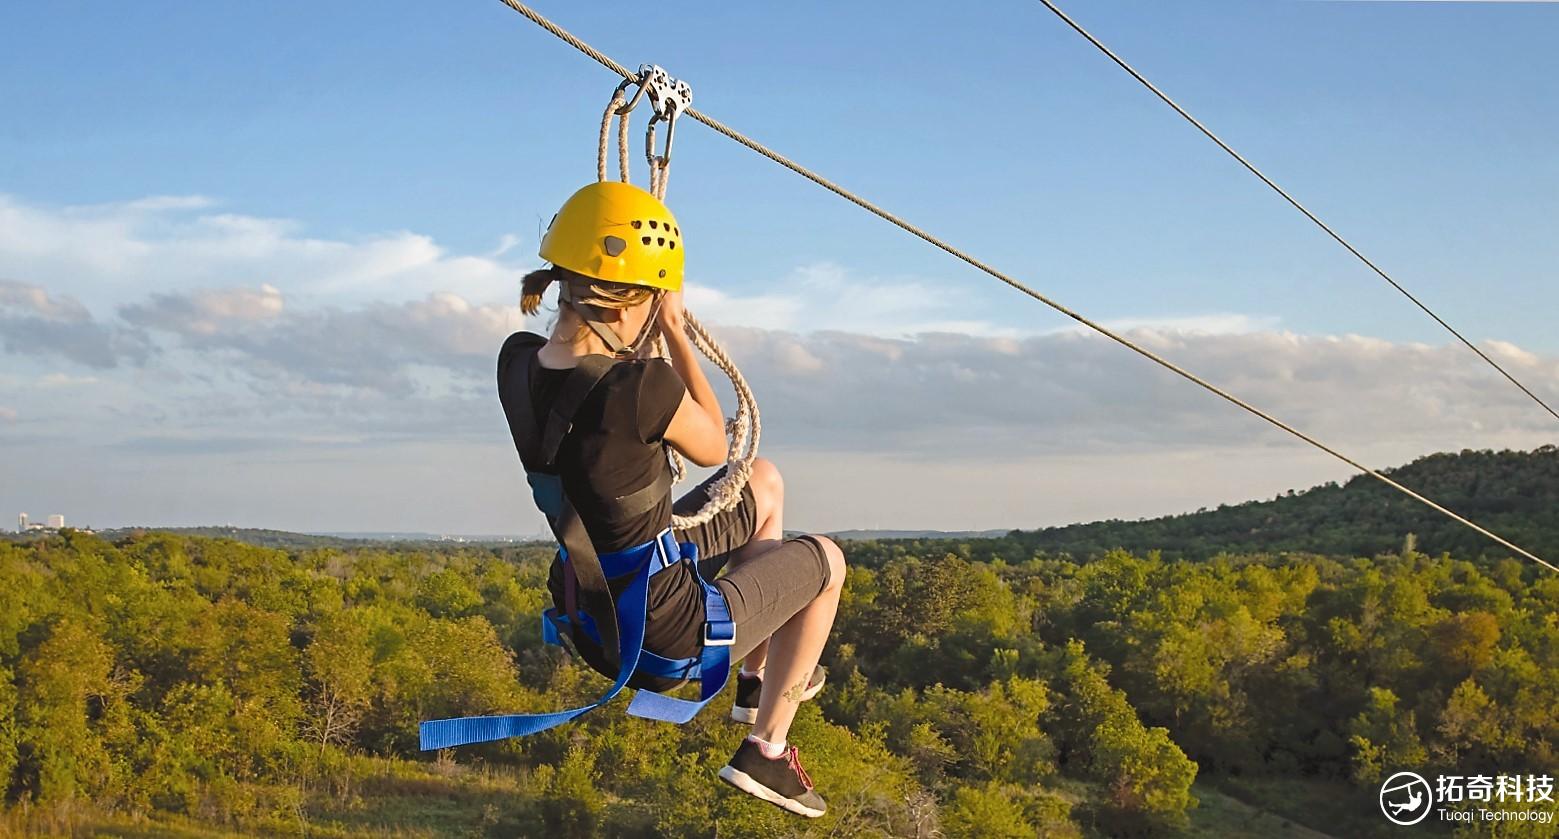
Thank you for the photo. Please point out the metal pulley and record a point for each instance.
(668, 97)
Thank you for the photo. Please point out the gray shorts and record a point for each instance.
(763, 592)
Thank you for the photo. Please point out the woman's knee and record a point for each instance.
(834, 556)
(768, 488)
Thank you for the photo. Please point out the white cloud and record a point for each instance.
(1512, 354)
(63, 380)
(35, 301)
(165, 203)
(1020, 430)
(109, 254)
(237, 342)
(508, 243)
(1218, 323)
(933, 394)
(36, 322)
(824, 297)
(958, 395)
(205, 311)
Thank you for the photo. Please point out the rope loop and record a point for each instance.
(746, 426)
(615, 108)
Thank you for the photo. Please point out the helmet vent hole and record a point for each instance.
(645, 240)
(637, 224)
(673, 244)
(652, 224)
(660, 241)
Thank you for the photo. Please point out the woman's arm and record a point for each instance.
(697, 429)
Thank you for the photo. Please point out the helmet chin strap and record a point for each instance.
(591, 315)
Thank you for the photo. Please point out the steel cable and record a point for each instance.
(864, 204)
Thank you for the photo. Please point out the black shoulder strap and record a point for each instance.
(514, 365)
(538, 451)
(538, 445)
(590, 578)
(588, 373)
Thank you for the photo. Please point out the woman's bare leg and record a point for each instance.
(791, 655)
(794, 650)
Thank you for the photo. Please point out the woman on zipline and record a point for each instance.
(616, 256)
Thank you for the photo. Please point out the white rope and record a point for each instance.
(745, 427)
(622, 138)
(622, 141)
(899, 222)
(744, 430)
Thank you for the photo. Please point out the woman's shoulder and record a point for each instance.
(636, 375)
(520, 340)
(517, 343)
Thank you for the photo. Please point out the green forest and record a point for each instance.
(1513, 493)
(161, 684)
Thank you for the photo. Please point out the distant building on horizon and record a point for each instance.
(55, 522)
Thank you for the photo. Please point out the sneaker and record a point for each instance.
(749, 689)
(778, 780)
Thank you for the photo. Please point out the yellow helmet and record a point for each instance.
(616, 232)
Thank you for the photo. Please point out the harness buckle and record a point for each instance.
(725, 628)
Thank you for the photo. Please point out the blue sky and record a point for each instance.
(1424, 131)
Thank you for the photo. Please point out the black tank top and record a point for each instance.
(614, 447)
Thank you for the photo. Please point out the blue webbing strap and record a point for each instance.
(632, 605)
(547, 491)
(554, 624)
(549, 629)
(714, 661)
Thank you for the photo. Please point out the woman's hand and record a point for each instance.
(672, 315)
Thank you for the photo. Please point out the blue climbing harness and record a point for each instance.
(712, 666)
(629, 606)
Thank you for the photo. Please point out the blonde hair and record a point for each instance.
(581, 290)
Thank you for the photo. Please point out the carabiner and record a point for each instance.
(649, 139)
(639, 94)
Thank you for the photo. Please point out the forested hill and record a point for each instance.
(1515, 494)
